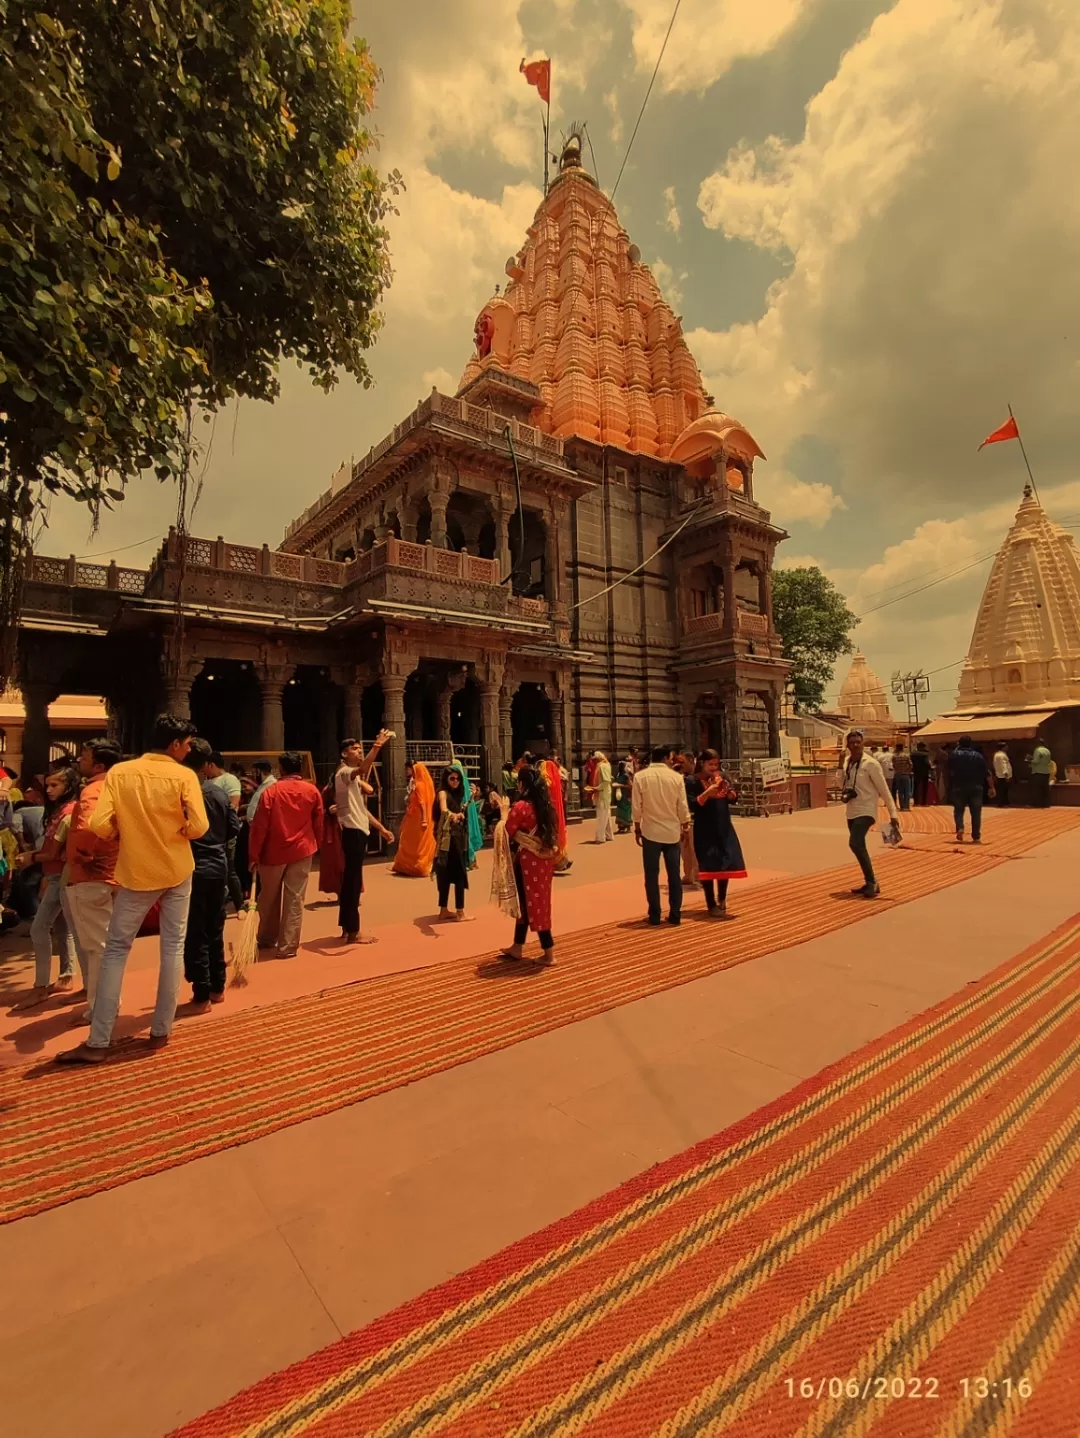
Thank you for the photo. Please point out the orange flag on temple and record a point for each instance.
(1008, 430)
(538, 73)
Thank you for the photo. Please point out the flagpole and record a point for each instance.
(547, 132)
(1023, 451)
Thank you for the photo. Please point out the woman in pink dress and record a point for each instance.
(532, 827)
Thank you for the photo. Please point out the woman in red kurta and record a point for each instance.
(532, 827)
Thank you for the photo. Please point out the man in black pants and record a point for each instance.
(968, 776)
(350, 802)
(864, 788)
(204, 941)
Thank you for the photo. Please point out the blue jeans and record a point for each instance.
(904, 787)
(651, 853)
(968, 799)
(130, 907)
(49, 921)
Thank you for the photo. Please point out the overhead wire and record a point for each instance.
(648, 92)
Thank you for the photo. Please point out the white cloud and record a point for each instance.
(670, 282)
(708, 36)
(672, 218)
(440, 379)
(611, 104)
(932, 244)
(792, 499)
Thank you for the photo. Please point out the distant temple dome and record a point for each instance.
(1025, 648)
(584, 320)
(862, 694)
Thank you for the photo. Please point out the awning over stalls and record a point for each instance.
(985, 726)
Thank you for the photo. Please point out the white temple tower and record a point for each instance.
(1025, 648)
(862, 694)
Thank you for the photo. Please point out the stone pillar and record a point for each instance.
(408, 517)
(272, 680)
(393, 756)
(36, 735)
(438, 503)
(558, 734)
(354, 696)
(178, 687)
(442, 712)
(506, 728)
(500, 513)
(773, 701)
(491, 731)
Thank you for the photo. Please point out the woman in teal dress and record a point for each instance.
(473, 828)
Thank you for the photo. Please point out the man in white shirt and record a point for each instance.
(264, 770)
(1003, 772)
(350, 801)
(864, 788)
(661, 815)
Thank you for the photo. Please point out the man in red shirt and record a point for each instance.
(87, 896)
(285, 832)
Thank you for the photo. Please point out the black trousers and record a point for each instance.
(443, 883)
(204, 942)
(711, 886)
(1040, 791)
(521, 928)
(354, 844)
(922, 784)
(232, 878)
(1002, 787)
(652, 851)
(857, 832)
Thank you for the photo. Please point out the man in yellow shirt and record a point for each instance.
(154, 805)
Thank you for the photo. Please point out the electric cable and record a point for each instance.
(648, 92)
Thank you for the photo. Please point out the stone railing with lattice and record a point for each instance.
(754, 625)
(704, 623)
(425, 559)
(72, 573)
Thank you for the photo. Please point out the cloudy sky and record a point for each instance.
(866, 213)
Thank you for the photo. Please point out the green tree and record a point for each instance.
(812, 618)
(186, 199)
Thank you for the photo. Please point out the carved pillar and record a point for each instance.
(727, 562)
(438, 504)
(36, 735)
(454, 685)
(554, 549)
(393, 756)
(272, 680)
(506, 728)
(491, 730)
(556, 697)
(408, 516)
(500, 513)
(178, 687)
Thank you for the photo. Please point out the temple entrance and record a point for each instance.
(372, 707)
(226, 705)
(528, 555)
(314, 711)
(465, 714)
(421, 706)
(530, 720)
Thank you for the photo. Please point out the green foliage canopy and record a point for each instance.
(812, 618)
(185, 199)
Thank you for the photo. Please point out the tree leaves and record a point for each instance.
(812, 618)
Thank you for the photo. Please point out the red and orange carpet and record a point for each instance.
(892, 1248)
(264, 1069)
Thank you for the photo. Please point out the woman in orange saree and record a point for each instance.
(417, 843)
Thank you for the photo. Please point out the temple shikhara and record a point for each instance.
(1021, 677)
(862, 697)
(566, 553)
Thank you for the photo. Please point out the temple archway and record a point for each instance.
(314, 710)
(465, 714)
(530, 719)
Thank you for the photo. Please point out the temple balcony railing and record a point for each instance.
(72, 573)
(449, 415)
(748, 625)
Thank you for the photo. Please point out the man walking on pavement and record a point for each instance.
(285, 833)
(1003, 772)
(87, 897)
(154, 806)
(661, 816)
(968, 776)
(864, 788)
(204, 943)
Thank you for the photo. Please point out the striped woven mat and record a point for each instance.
(247, 1075)
(892, 1248)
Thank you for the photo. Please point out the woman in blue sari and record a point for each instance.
(473, 827)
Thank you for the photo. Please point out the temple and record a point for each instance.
(1021, 677)
(566, 553)
(862, 697)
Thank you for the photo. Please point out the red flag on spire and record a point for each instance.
(1008, 430)
(538, 73)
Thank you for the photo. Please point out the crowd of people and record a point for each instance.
(101, 849)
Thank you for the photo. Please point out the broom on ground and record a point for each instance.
(245, 950)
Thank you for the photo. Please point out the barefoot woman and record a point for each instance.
(532, 828)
